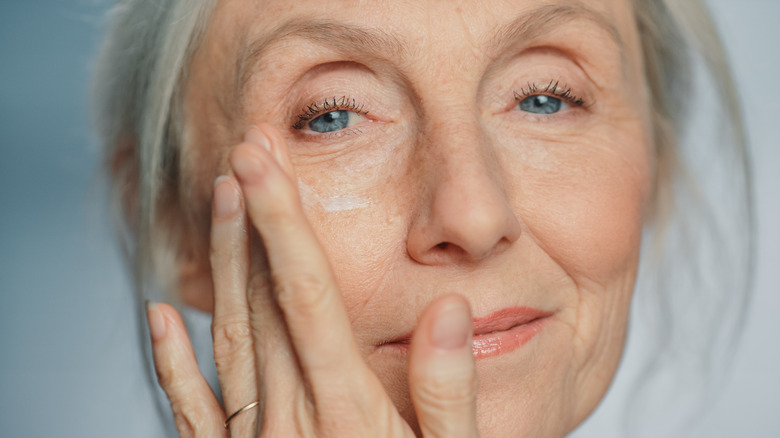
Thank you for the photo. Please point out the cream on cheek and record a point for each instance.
(347, 183)
(355, 203)
(334, 203)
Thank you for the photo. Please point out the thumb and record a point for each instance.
(442, 374)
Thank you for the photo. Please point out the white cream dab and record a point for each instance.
(344, 203)
(332, 204)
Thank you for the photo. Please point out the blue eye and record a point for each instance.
(542, 104)
(329, 122)
(334, 121)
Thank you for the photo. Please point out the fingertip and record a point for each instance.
(156, 321)
(257, 135)
(221, 179)
(445, 326)
(174, 324)
(441, 345)
(247, 162)
(276, 145)
(451, 326)
(167, 310)
(442, 371)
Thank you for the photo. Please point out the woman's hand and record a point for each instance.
(282, 335)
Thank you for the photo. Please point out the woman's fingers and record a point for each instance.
(279, 379)
(303, 284)
(255, 361)
(233, 346)
(442, 374)
(195, 408)
(345, 395)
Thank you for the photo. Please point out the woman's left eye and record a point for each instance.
(334, 121)
(542, 104)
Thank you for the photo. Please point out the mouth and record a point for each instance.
(499, 333)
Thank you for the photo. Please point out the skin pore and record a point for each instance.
(449, 181)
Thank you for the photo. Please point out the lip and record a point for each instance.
(506, 330)
(498, 333)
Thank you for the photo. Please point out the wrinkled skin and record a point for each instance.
(441, 181)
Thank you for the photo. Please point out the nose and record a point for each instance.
(464, 215)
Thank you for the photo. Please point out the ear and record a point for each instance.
(196, 287)
(192, 272)
(188, 233)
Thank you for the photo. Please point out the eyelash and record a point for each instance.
(553, 89)
(345, 103)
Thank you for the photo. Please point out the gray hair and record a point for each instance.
(695, 278)
(698, 250)
(140, 71)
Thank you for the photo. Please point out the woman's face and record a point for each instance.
(499, 151)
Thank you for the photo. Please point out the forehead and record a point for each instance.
(438, 18)
(257, 39)
(249, 29)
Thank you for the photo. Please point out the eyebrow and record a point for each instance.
(355, 40)
(544, 19)
(340, 37)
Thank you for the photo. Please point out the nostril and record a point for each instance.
(443, 245)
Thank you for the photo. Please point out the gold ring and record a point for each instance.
(245, 408)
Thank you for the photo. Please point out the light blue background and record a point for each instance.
(69, 353)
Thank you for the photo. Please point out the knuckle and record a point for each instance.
(184, 425)
(304, 293)
(230, 339)
(168, 379)
(194, 422)
(165, 378)
(445, 394)
(192, 414)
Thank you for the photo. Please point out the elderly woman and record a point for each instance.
(408, 218)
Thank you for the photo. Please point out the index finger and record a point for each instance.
(300, 272)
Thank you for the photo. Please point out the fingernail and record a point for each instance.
(156, 321)
(226, 198)
(452, 326)
(255, 135)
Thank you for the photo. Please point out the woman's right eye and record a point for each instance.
(547, 100)
(335, 121)
(331, 115)
(542, 104)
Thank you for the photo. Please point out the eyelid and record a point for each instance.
(553, 89)
(344, 103)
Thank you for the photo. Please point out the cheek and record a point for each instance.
(360, 244)
(583, 202)
(355, 204)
